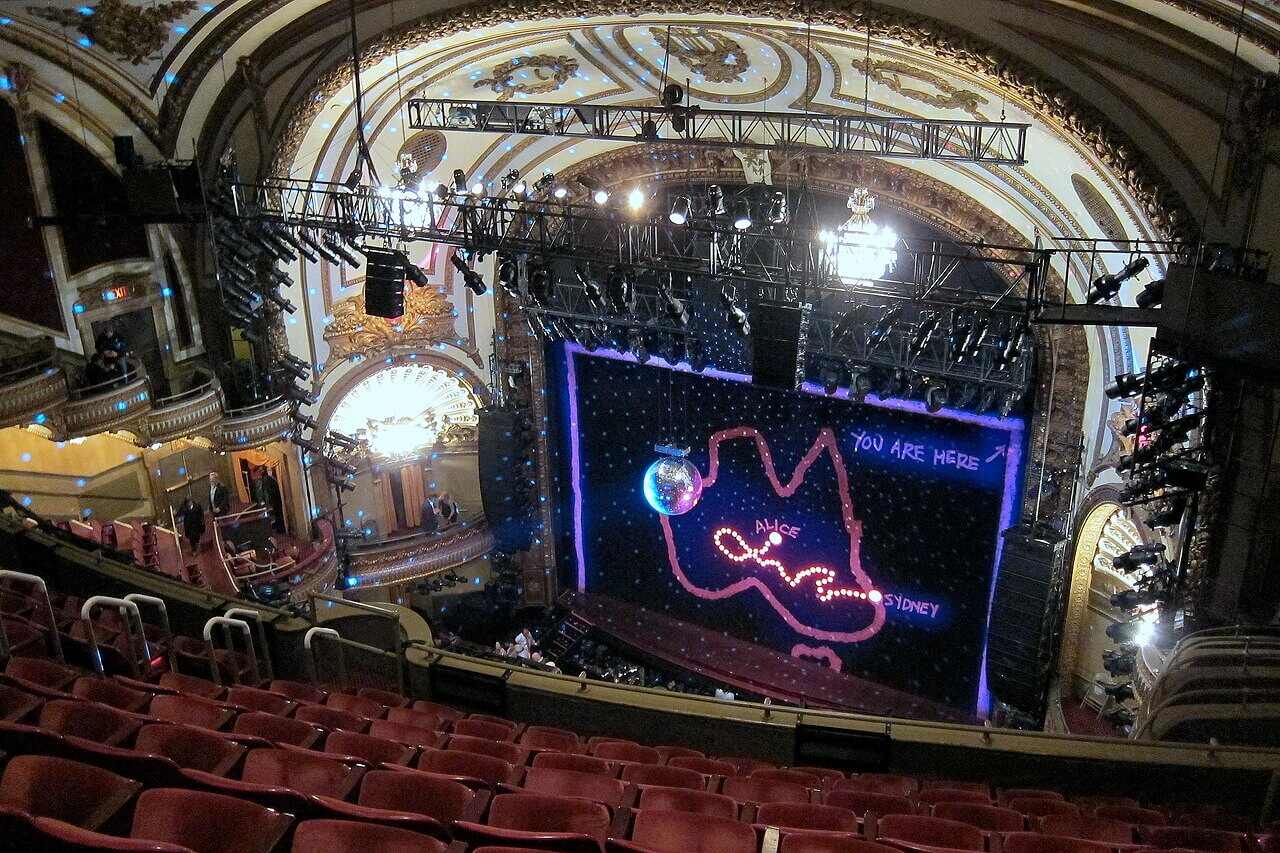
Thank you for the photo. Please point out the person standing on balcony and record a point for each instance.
(219, 496)
(114, 351)
(191, 517)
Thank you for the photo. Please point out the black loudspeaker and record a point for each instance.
(383, 284)
(126, 156)
(507, 505)
(778, 335)
(1026, 619)
(1219, 319)
(150, 194)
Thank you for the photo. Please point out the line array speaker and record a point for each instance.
(383, 284)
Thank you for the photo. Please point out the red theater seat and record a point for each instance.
(1036, 808)
(417, 792)
(191, 685)
(497, 721)
(384, 697)
(1088, 804)
(473, 765)
(485, 729)
(255, 699)
(667, 777)
(807, 816)
(548, 738)
(79, 794)
(358, 705)
(625, 750)
(331, 718)
(862, 802)
(571, 783)
(206, 822)
(826, 774)
(800, 842)
(508, 752)
(190, 747)
(408, 735)
(920, 831)
(374, 750)
(684, 800)
(108, 691)
(542, 822)
(16, 704)
(65, 838)
(779, 774)
(349, 836)
(1032, 842)
(1193, 838)
(88, 720)
(745, 789)
(958, 785)
(927, 798)
(298, 691)
(46, 673)
(746, 765)
(880, 783)
(670, 752)
(1008, 794)
(301, 771)
(986, 818)
(574, 761)
(686, 832)
(1087, 828)
(1132, 814)
(277, 729)
(444, 712)
(419, 719)
(190, 710)
(706, 766)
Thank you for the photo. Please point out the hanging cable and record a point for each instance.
(363, 155)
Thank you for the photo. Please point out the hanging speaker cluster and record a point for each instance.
(383, 283)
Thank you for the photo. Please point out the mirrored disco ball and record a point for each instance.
(672, 485)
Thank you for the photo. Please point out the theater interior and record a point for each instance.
(735, 428)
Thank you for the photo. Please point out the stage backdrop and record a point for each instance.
(862, 535)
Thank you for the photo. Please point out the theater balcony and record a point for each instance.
(196, 411)
(247, 560)
(32, 384)
(256, 425)
(379, 561)
(120, 403)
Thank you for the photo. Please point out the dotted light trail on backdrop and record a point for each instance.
(823, 577)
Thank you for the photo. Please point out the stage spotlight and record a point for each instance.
(1130, 599)
(674, 306)
(546, 182)
(299, 396)
(672, 94)
(1183, 474)
(281, 302)
(936, 397)
(680, 210)
(733, 312)
(1137, 557)
(510, 182)
(778, 209)
(884, 326)
(1118, 662)
(590, 287)
(1107, 286)
(968, 394)
(1008, 401)
(318, 247)
(541, 282)
(636, 199)
(1151, 295)
(715, 200)
(635, 343)
(924, 332)
(832, 375)
(509, 274)
(1125, 385)
(459, 182)
(304, 421)
(470, 277)
(339, 465)
(1169, 515)
(412, 270)
(333, 245)
(461, 116)
(695, 353)
(598, 193)
(560, 193)
(1011, 347)
(342, 440)
(307, 447)
(1134, 632)
(741, 214)
(478, 189)
(860, 385)
(621, 289)
(977, 334)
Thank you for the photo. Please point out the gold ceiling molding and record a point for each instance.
(1059, 106)
(428, 319)
(896, 74)
(711, 55)
(130, 33)
(549, 74)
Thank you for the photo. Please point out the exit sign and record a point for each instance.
(122, 291)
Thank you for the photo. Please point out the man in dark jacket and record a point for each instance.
(219, 496)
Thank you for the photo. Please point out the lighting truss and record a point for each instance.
(781, 263)
(992, 143)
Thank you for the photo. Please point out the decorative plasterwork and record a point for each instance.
(1057, 105)
(549, 74)
(130, 33)
(428, 319)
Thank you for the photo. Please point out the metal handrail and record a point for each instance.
(134, 372)
(129, 611)
(189, 394)
(139, 598)
(255, 619)
(307, 643)
(37, 582)
(358, 605)
(31, 370)
(246, 411)
(228, 624)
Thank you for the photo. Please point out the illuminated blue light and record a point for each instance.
(59, 98)
(182, 31)
(84, 41)
(80, 482)
(171, 78)
(41, 418)
(85, 10)
(77, 308)
(352, 580)
(122, 405)
(166, 291)
(26, 457)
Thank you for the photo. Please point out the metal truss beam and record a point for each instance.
(992, 143)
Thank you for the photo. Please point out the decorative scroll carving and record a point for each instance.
(196, 414)
(135, 34)
(428, 318)
(549, 74)
(1055, 103)
(712, 55)
(1097, 207)
(895, 74)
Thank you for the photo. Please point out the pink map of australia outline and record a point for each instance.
(826, 442)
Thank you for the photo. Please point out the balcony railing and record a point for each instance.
(257, 425)
(197, 411)
(32, 389)
(119, 403)
(409, 558)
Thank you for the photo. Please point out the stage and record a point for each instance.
(748, 666)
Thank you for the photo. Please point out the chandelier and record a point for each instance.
(861, 250)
